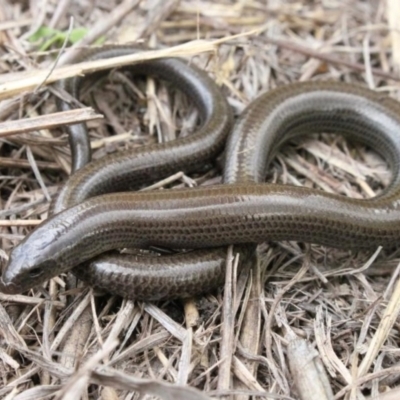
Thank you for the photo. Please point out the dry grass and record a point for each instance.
(305, 322)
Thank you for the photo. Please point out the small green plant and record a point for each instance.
(49, 37)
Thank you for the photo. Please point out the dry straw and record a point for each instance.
(296, 317)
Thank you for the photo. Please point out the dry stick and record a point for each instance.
(124, 318)
(48, 121)
(184, 361)
(68, 325)
(166, 321)
(324, 345)
(246, 377)
(367, 378)
(32, 301)
(251, 327)
(142, 345)
(389, 318)
(37, 174)
(49, 321)
(271, 317)
(19, 222)
(73, 347)
(24, 164)
(369, 77)
(227, 336)
(307, 369)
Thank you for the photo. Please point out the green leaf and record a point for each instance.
(42, 33)
(46, 37)
(77, 34)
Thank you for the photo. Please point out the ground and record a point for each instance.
(303, 313)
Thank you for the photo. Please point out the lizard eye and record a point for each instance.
(35, 272)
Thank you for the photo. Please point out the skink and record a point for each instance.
(239, 211)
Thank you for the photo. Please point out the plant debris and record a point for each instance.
(296, 313)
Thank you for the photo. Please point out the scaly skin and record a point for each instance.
(241, 211)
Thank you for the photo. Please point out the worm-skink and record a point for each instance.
(242, 210)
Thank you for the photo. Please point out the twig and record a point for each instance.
(19, 222)
(48, 121)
